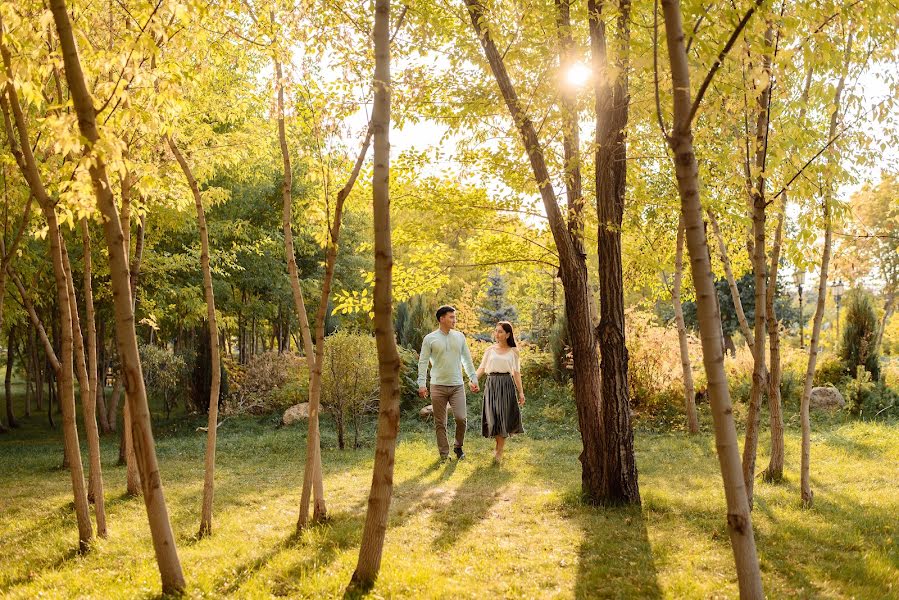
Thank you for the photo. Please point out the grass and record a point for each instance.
(460, 529)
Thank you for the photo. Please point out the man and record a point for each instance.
(447, 351)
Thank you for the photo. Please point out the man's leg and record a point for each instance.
(460, 412)
(439, 398)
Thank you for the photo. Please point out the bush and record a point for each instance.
(350, 381)
(165, 375)
(655, 373)
(857, 348)
(858, 389)
(830, 371)
(269, 381)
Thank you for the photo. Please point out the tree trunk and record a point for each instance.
(38, 372)
(66, 385)
(88, 406)
(379, 497)
(157, 512)
(805, 484)
(775, 469)
(732, 284)
(215, 360)
(91, 321)
(612, 104)
(103, 413)
(10, 358)
(739, 519)
(760, 276)
(21, 150)
(573, 272)
(888, 309)
(689, 392)
(312, 477)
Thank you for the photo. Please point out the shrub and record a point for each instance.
(350, 381)
(165, 375)
(269, 381)
(858, 389)
(830, 371)
(857, 348)
(655, 374)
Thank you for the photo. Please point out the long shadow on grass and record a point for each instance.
(838, 538)
(470, 504)
(615, 559)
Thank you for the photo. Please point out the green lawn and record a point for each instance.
(460, 529)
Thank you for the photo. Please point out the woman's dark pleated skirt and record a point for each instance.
(500, 415)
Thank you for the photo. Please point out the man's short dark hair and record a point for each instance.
(443, 310)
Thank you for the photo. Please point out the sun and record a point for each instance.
(578, 75)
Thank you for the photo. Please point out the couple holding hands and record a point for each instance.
(446, 352)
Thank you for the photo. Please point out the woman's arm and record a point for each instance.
(516, 377)
(483, 367)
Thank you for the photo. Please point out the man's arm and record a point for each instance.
(423, 361)
(468, 364)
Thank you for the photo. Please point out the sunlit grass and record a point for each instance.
(459, 529)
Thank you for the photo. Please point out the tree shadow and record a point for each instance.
(469, 504)
(615, 558)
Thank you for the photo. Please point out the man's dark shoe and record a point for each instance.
(460, 454)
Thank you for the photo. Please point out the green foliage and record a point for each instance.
(857, 348)
(350, 380)
(858, 389)
(786, 313)
(165, 375)
(413, 320)
(496, 308)
(830, 371)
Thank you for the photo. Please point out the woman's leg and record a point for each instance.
(500, 443)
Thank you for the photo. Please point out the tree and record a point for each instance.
(680, 140)
(859, 344)
(686, 368)
(215, 361)
(496, 309)
(157, 512)
(573, 271)
(379, 497)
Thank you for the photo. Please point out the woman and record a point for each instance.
(500, 415)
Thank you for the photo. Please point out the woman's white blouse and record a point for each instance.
(497, 362)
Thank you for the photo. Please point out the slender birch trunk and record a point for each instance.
(739, 518)
(686, 367)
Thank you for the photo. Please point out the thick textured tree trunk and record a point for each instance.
(775, 469)
(732, 283)
(215, 361)
(619, 484)
(312, 477)
(739, 519)
(379, 497)
(686, 368)
(88, 408)
(573, 273)
(760, 275)
(157, 512)
(805, 487)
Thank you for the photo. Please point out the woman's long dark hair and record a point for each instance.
(508, 327)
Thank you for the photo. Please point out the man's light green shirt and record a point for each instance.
(446, 353)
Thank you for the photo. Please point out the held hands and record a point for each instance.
(423, 392)
(474, 387)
